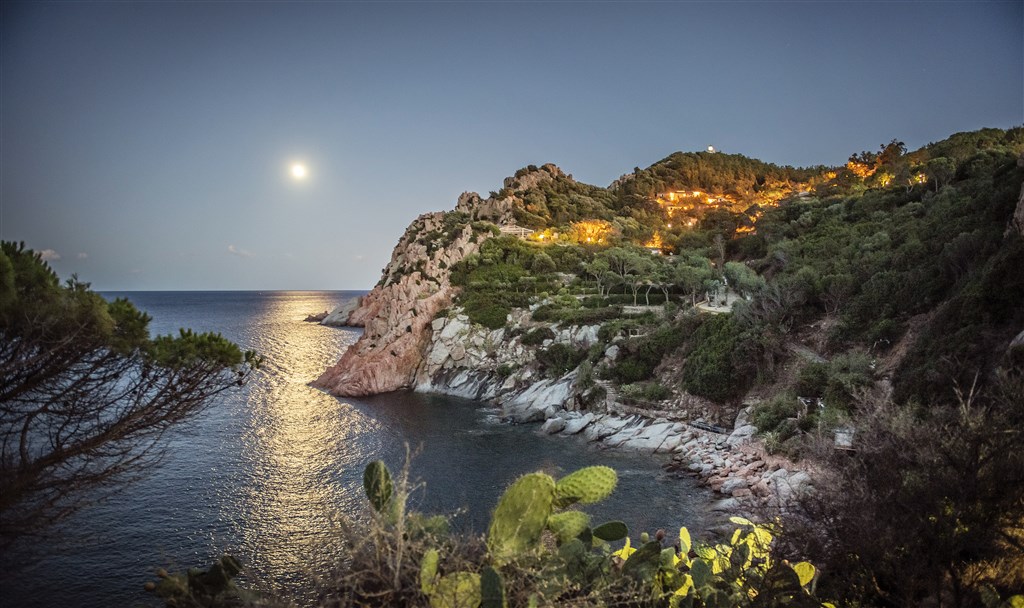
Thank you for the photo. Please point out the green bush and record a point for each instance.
(640, 356)
(709, 370)
(575, 316)
(490, 314)
(813, 380)
(546, 313)
(646, 391)
(769, 415)
(560, 359)
(536, 337)
(590, 316)
(848, 374)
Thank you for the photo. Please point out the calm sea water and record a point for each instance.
(264, 472)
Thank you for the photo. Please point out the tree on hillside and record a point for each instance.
(940, 171)
(663, 279)
(542, 264)
(601, 271)
(691, 274)
(85, 393)
(639, 270)
(742, 279)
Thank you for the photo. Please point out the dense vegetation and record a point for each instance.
(881, 296)
(893, 241)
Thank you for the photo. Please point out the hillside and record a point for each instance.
(900, 266)
(750, 319)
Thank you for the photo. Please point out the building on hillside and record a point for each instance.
(514, 230)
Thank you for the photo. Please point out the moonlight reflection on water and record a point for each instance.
(266, 472)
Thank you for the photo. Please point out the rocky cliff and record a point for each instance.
(397, 314)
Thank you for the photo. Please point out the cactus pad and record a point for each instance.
(644, 563)
(587, 485)
(457, 590)
(492, 589)
(568, 525)
(611, 531)
(428, 571)
(805, 571)
(378, 485)
(520, 517)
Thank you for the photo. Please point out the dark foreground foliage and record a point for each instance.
(929, 509)
(85, 393)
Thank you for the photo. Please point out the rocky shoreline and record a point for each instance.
(735, 466)
(466, 360)
(414, 338)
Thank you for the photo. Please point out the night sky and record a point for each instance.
(149, 145)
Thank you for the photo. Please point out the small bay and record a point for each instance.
(266, 472)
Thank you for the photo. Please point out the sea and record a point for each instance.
(272, 470)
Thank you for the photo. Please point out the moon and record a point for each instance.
(299, 171)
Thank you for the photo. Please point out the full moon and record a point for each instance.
(298, 171)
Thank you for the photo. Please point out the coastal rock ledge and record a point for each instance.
(414, 287)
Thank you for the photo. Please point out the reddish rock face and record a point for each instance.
(397, 325)
(396, 315)
(415, 286)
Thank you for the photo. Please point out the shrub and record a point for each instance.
(590, 316)
(709, 370)
(813, 380)
(925, 510)
(542, 263)
(646, 391)
(585, 379)
(545, 313)
(560, 359)
(769, 415)
(848, 374)
(641, 355)
(536, 337)
(492, 315)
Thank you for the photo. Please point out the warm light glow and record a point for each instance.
(298, 171)
(590, 231)
(861, 170)
(655, 242)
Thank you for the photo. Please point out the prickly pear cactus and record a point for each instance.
(568, 525)
(428, 571)
(492, 589)
(520, 517)
(587, 485)
(378, 485)
(644, 563)
(457, 590)
(611, 531)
